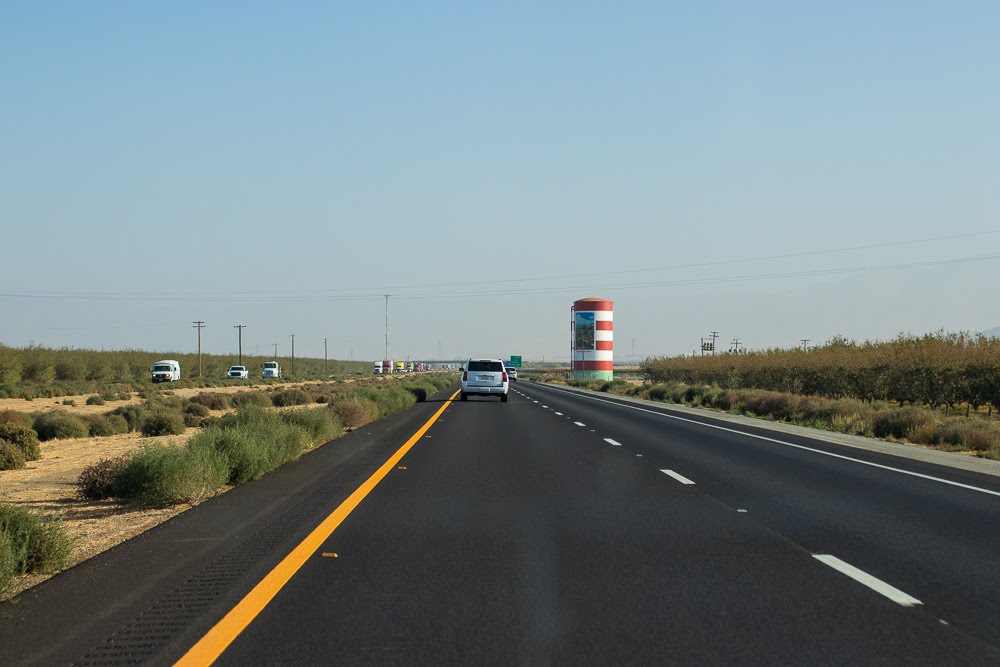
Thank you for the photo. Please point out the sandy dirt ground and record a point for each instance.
(49, 484)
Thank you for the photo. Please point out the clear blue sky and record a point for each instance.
(282, 165)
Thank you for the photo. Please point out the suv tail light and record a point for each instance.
(465, 376)
(505, 377)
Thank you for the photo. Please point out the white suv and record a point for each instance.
(484, 377)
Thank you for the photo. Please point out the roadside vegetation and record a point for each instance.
(41, 372)
(243, 445)
(951, 371)
(30, 543)
(939, 390)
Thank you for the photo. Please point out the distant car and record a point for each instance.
(512, 373)
(238, 373)
(484, 377)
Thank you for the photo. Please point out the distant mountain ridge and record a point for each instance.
(992, 333)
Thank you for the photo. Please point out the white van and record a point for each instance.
(167, 370)
(271, 369)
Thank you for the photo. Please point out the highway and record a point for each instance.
(557, 528)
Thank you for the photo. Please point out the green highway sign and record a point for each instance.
(515, 362)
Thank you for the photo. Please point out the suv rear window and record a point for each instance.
(485, 366)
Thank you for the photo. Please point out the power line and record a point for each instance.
(305, 297)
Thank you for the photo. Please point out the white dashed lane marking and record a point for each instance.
(612, 442)
(579, 423)
(679, 477)
(862, 577)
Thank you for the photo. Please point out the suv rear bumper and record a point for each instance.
(483, 391)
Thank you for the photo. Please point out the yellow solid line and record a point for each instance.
(208, 649)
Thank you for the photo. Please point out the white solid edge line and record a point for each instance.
(862, 577)
(679, 477)
(579, 423)
(789, 444)
(613, 442)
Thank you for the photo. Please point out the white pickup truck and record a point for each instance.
(238, 373)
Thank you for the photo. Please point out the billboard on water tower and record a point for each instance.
(583, 326)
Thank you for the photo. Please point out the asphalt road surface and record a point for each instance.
(557, 528)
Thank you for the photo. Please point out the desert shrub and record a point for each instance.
(22, 437)
(8, 567)
(354, 412)
(323, 398)
(212, 401)
(252, 441)
(288, 397)
(967, 434)
(166, 403)
(901, 422)
(162, 423)
(709, 396)
(774, 404)
(15, 417)
(194, 414)
(247, 398)
(37, 544)
(814, 407)
(420, 390)
(11, 456)
(662, 392)
(723, 400)
(198, 409)
(320, 424)
(96, 399)
(105, 425)
(160, 475)
(97, 481)
(442, 381)
(389, 399)
(133, 415)
(59, 424)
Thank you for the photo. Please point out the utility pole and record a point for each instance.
(736, 345)
(240, 327)
(805, 344)
(293, 354)
(715, 334)
(275, 351)
(386, 326)
(199, 325)
(326, 365)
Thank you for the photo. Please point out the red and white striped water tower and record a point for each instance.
(592, 338)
